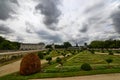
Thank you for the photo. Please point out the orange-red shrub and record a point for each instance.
(30, 64)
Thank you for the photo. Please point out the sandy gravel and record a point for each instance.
(14, 67)
(115, 76)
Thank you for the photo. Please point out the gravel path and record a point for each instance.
(115, 76)
(15, 66)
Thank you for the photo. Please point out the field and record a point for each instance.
(72, 66)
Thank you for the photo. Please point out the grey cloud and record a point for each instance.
(94, 19)
(6, 9)
(5, 30)
(14, 1)
(48, 36)
(49, 8)
(29, 27)
(83, 40)
(95, 7)
(116, 20)
(80, 40)
(84, 29)
(19, 39)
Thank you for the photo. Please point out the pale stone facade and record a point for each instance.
(27, 46)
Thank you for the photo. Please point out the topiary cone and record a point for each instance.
(30, 64)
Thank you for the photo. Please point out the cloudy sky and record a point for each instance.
(33, 21)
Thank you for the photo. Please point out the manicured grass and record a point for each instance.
(16, 76)
(93, 59)
(71, 67)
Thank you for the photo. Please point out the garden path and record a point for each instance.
(115, 76)
(15, 66)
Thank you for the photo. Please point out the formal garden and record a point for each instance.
(69, 63)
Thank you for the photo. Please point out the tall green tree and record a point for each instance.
(67, 44)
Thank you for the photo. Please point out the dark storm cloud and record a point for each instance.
(84, 29)
(5, 30)
(14, 1)
(6, 9)
(116, 20)
(46, 35)
(49, 8)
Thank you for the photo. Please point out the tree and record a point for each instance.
(49, 58)
(40, 55)
(109, 61)
(59, 60)
(110, 52)
(6, 45)
(64, 54)
(67, 44)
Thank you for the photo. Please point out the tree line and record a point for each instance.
(64, 45)
(105, 44)
(8, 45)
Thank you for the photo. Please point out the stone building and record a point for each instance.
(29, 46)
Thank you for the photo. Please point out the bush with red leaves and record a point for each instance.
(30, 64)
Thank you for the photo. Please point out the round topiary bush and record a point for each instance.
(30, 64)
(86, 67)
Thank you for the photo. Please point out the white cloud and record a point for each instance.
(80, 21)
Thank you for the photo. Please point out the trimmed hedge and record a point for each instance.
(86, 67)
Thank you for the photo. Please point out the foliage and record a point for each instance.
(8, 45)
(48, 52)
(72, 67)
(110, 52)
(41, 55)
(64, 54)
(59, 60)
(49, 58)
(86, 67)
(102, 51)
(67, 44)
(30, 64)
(92, 51)
(105, 44)
(48, 46)
(109, 60)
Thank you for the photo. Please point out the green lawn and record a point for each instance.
(71, 67)
(93, 59)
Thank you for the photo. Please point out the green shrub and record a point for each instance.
(59, 60)
(109, 60)
(64, 54)
(102, 51)
(117, 51)
(86, 67)
(41, 55)
(49, 58)
(92, 51)
(110, 52)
